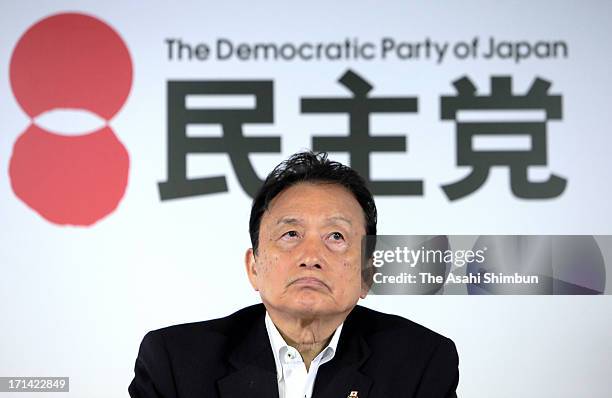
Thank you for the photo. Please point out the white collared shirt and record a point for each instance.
(293, 379)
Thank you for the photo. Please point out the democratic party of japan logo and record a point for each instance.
(76, 62)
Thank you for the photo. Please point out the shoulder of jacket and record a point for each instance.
(376, 323)
(222, 327)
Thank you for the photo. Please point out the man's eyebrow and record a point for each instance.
(288, 220)
(340, 218)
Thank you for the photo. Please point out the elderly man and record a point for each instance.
(308, 338)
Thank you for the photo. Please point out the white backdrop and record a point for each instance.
(76, 301)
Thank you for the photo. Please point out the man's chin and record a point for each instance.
(309, 309)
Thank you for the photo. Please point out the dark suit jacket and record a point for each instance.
(378, 355)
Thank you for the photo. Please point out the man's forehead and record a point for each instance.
(314, 193)
(296, 204)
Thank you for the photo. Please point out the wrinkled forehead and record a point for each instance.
(323, 203)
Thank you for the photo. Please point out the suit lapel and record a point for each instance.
(254, 372)
(340, 376)
(250, 381)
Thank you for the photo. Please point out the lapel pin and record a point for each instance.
(353, 394)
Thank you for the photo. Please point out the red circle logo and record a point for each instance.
(70, 61)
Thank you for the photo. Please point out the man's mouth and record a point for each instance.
(309, 281)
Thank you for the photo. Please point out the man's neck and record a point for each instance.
(307, 335)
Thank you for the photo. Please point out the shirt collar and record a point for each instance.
(279, 345)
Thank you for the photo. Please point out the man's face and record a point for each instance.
(309, 255)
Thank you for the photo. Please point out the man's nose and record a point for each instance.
(311, 253)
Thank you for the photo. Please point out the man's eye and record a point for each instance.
(291, 234)
(337, 236)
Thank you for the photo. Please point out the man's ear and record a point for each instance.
(365, 289)
(251, 267)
